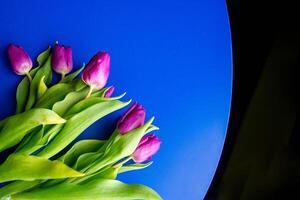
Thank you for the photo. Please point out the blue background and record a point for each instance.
(172, 56)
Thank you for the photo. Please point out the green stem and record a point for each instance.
(63, 75)
(29, 77)
(90, 92)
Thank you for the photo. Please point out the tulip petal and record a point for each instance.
(147, 147)
(20, 61)
(62, 61)
(97, 70)
(133, 118)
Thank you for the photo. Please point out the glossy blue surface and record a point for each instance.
(172, 56)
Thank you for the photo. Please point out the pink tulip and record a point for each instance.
(147, 147)
(20, 61)
(97, 71)
(62, 59)
(133, 118)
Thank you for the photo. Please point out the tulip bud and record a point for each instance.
(20, 61)
(133, 118)
(97, 70)
(62, 60)
(147, 147)
(109, 92)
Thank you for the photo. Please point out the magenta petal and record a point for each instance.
(20, 61)
(109, 92)
(147, 147)
(97, 70)
(133, 118)
(62, 59)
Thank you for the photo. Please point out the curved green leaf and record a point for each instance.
(17, 186)
(99, 93)
(41, 59)
(152, 128)
(135, 166)
(84, 104)
(11, 134)
(78, 84)
(31, 143)
(86, 159)
(46, 71)
(102, 189)
(78, 123)
(21, 167)
(2, 122)
(54, 94)
(23, 87)
(61, 107)
(79, 148)
(107, 173)
(41, 88)
(72, 76)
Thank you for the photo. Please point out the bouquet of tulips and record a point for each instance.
(50, 117)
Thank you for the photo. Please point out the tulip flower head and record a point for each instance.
(109, 92)
(97, 71)
(20, 61)
(62, 60)
(133, 118)
(147, 147)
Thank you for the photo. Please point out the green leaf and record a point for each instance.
(31, 142)
(76, 124)
(79, 148)
(23, 87)
(17, 186)
(135, 166)
(2, 122)
(23, 92)
(123, 146)
(22, 167)
(61, 107)
(102, 189)
(50, 133)
(41, 59)
(36, 142)
(54, 94)
(78, 84)
(84, 104)
(152, 128)
(17, 126)
(72, 76)
(86, 159)
(41, 88)
(46, 71)
(99, 93)
(107, 173)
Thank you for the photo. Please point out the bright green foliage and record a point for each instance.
(49, 118)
